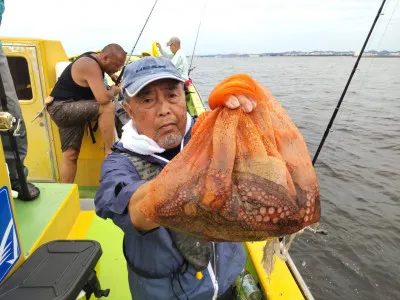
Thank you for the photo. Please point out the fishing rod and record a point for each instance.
(127, 58)
(195, 43)
(347, 85)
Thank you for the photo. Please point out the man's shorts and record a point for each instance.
(71, 117)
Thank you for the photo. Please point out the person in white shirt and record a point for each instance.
(178, 57)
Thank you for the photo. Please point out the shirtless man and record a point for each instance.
(80, 96)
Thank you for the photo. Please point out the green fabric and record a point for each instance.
(1, 14)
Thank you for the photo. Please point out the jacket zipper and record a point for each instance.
(213, 273)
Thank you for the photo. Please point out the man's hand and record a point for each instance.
(158, 45)
(235, 101)
(115, 89)
(137, 218)
(114, 77)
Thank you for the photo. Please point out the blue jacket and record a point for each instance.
(153, 254)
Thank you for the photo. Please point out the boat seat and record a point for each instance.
(57, 270)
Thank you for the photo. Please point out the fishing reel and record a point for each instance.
(8, 123)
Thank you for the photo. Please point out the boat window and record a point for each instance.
(20, 75)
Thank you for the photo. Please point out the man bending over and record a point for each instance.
(80, 96)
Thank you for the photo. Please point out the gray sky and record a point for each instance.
(235, 26)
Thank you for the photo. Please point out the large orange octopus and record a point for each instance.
(242, 177)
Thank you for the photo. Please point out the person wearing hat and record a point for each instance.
(178, 57)
(158, 130)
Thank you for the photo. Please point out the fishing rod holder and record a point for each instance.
(8, 123)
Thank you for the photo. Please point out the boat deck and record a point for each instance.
(112, 268)
(34, 216)
(37, 219)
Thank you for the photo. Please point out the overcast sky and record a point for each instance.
(244, 26)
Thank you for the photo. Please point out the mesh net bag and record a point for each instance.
(242, 177)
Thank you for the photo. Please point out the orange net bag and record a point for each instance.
(242, 177)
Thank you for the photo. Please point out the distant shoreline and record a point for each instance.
(370, 53)
(300, 55)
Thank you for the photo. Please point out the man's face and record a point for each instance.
(158, 111)
(113, 63)
(173, 47)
